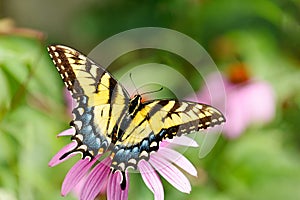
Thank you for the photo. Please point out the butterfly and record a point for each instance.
(107, 119)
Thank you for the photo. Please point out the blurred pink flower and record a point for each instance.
(70, 102)
(247, 102)
(94, 177)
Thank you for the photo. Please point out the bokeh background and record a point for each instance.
(255, 44)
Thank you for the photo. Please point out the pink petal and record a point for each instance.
(178, 159)
(76, 173)
(173, 175)
(151, 179)
(260, 98)
(250, 103)
(114, 191)
(76, 191)
(236, 116)
(56, 159)
(68, 132)
(96, 180)
(183, 141)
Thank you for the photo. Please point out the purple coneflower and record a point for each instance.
(95, 176)
(248, 100)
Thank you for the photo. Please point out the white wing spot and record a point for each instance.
(132, 161)
(80, 110)
(78, 124)
(81, 57)
(143, 154)
(52, 48)
(122, 166)
(83, 147)
(153, 144)
(199, 106)
(79, 137)
(91, 152)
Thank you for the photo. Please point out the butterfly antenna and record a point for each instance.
(136, 90)
(152, 91)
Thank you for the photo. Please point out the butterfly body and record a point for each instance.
(107, 119)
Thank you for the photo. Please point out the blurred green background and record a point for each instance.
(262, 163)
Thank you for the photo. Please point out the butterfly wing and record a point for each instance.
(101, 100)
(156, 121)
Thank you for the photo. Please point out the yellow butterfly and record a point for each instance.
(107, 119)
